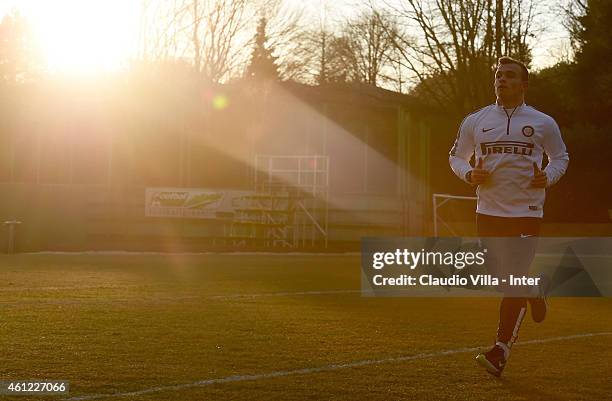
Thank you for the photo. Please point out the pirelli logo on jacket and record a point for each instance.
(512, 147)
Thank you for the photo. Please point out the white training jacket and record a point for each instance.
(509, 141)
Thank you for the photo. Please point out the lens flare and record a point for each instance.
(220, 102)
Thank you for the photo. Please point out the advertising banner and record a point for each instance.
(192, 203)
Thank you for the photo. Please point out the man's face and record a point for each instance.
(509, 82)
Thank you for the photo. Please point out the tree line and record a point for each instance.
(442, 51)
(430, 44)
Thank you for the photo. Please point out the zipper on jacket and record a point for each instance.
(509, 117)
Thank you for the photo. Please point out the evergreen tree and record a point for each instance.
(263, 63)
(593, 70)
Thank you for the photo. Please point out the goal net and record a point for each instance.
(454, 215)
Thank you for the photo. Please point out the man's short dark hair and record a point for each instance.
(510, 60)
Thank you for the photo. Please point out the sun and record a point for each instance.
(81, 36)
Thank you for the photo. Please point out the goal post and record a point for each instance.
(439, 219)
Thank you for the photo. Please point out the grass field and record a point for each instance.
(275, 327)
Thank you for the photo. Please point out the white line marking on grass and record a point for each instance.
(327, 368)
(282, 294)
(73, 287)
(155, 253)
(218, 297)
(156, 300)
(249, 253)
(412, 292)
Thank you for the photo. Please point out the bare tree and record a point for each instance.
(366, 45)
(318, 44)
(310, 54)
(457, 42)
(302, 59)
(329, 49)
(210, 34)
(219, 37)
(572, 13)
(163, 30)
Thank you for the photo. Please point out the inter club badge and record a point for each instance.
(528, 130)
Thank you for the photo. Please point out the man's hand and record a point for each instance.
(539, 177)
(478, 175)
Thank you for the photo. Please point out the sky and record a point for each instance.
(79, 35)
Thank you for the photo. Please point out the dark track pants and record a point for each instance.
(512, 308)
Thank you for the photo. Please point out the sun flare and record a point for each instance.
(80, 36)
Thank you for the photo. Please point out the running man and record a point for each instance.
(508, 140)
